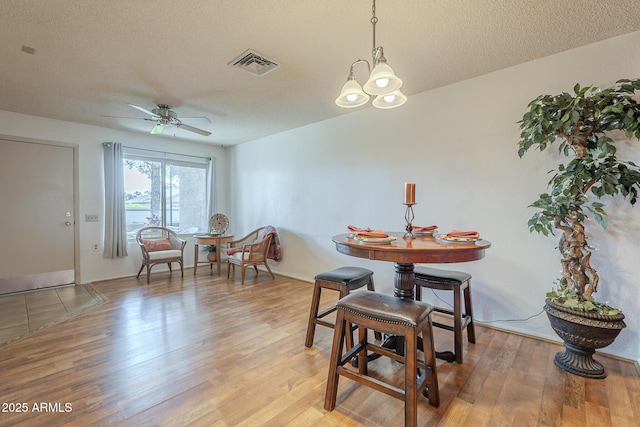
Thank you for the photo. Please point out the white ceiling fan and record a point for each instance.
(164, 116)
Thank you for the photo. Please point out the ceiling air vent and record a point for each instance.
(254, 63)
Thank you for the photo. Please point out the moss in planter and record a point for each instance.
(568, 297)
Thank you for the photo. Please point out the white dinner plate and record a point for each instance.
(443, 239)
(376, 240)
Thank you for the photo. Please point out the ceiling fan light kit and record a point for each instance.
(382, 82)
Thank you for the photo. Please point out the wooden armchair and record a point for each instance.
(251, 250)
(160, 245)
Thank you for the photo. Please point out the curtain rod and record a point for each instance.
(162, 152)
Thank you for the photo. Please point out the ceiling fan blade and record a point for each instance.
(192, 129)
(144, 110)
(157, 129)
(196, 118)
(127, 117)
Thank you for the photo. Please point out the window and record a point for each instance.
(167, 191)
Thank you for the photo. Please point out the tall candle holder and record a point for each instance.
(409, 216)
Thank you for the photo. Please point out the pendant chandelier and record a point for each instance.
(383, 83)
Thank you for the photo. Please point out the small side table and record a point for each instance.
(209, 239)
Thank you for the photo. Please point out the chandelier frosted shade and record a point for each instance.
(382, 80)
(352, 94)
(391, 100)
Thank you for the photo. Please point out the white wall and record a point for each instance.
(89, 139)
(459, 144)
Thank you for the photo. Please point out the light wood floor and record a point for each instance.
(206, 351)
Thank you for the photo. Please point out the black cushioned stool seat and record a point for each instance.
(344, 280)
(456, 281)
(391, 315)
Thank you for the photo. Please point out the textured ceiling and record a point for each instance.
(93, 57)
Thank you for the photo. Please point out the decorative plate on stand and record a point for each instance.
(218, 224)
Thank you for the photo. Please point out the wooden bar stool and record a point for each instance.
(456, 281)
(392, 315)
(344, 280)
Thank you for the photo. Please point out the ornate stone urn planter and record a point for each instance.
(582, 334)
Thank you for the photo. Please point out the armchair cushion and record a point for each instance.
(240, 255)
(173, 253)
(233, 251)
(153, 245)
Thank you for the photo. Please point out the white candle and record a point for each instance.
(409, 193)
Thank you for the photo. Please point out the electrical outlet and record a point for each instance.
(96, 247)
(91, 218)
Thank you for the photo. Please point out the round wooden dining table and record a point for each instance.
(405, 252)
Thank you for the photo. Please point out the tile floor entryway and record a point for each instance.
(24, 313)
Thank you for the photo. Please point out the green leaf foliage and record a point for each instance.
(582, 122)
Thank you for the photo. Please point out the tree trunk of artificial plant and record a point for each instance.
(577, 272)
